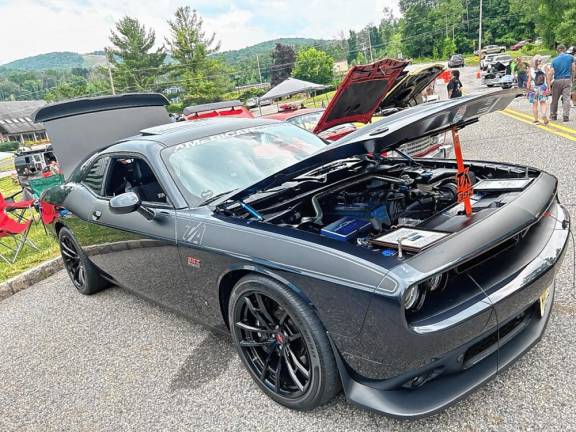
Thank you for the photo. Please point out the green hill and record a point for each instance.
(53, 60)
(265, 48)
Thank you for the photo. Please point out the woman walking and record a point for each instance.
(538, 89)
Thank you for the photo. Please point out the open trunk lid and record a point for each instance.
(81, 127)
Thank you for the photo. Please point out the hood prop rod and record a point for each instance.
(465, 190)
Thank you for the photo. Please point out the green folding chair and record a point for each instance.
(38, 185)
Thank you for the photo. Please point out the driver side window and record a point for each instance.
(130, 174)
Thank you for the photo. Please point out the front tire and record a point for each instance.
(282, 343)
(83, 274)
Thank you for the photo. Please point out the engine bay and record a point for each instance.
(358, 201)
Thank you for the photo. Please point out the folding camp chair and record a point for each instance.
(17, 231)
(17, 207)
(38, 186)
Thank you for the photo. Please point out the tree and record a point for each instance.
(566, 32)
(136, 63)
(314, 65)
(352, 47)
(283, 58)
(204, 79)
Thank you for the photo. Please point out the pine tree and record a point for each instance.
(136, 64)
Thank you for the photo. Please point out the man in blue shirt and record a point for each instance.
(564, 70)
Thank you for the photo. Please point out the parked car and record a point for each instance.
(301, 250)
(254, 102)
(487, 60)
(496, 67)
(31, 163)
(359, 100)
(521, 44)
(232, 108)
(493, 49)
(456, 61)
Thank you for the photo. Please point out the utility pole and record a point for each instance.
(480, 32)
(110, 73)
(370, 46)
(259, 71)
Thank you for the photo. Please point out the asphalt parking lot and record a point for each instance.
(114, 362)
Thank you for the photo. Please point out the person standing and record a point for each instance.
(454, 85)
(563, 70)
(521, 72)
(538, 89)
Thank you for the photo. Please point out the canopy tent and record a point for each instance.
(290, 87)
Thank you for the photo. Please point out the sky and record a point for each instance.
(31, 27)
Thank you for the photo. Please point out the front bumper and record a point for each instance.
(519, 326)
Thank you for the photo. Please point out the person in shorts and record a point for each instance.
(538, 89)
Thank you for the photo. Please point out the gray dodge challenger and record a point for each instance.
(406, 283)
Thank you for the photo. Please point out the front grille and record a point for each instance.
(489, 344)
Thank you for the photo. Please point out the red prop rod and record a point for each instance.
(465, 190)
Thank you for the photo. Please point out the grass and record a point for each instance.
(28, 257)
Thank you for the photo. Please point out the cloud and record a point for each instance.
(31, 27)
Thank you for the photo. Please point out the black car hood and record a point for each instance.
(391, 132)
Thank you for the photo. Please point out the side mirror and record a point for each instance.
(125, 203)
(129, 202)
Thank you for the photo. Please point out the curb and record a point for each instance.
(30, 277)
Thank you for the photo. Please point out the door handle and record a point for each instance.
(96, 215)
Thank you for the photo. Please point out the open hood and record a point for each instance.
(391, 132)
(80, 127)
(409, 86)
(360, 93)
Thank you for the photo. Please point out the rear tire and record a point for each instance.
(83, 274)
(282, 343)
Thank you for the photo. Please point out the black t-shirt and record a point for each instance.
(454, 88)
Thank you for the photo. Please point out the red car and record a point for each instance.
(233, 108)
(308, 118)
(520, 44)
(383, 87)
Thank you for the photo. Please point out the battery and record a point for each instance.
(346, 228)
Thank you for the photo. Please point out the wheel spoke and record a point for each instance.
(264, 310)
(294, 337)
(277, 373)
(250, 328)
(283, 318)
(68, 250)
(266, 363)
(299, 365)
(292, 373)
(256, 313)
(253, 343)
(81, 275)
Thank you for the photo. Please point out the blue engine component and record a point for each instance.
(366, 211)
(346, 228)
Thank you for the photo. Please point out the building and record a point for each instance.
(16, 122)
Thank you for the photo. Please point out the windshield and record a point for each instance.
(306, 121)
(207, 167)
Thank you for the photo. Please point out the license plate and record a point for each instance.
(543, 301)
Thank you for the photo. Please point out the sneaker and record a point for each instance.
(545, 120)
(566, 119)
(553, 118)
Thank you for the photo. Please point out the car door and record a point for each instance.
(136, 252)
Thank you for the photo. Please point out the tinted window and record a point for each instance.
(95, 176)
(134, 175)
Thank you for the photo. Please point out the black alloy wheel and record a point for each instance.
(82, 272)
(274, 345)
(74, 265)
(282, 344)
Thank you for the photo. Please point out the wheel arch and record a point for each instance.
(232, 275)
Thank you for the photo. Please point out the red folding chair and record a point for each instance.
(17, 231)
(18, 207)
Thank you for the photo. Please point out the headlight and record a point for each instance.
(416, 294)
(414, 298)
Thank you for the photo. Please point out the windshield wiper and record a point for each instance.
(215, 197)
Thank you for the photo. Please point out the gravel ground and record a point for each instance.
(114, 362)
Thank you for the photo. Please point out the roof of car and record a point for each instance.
(176, 133)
